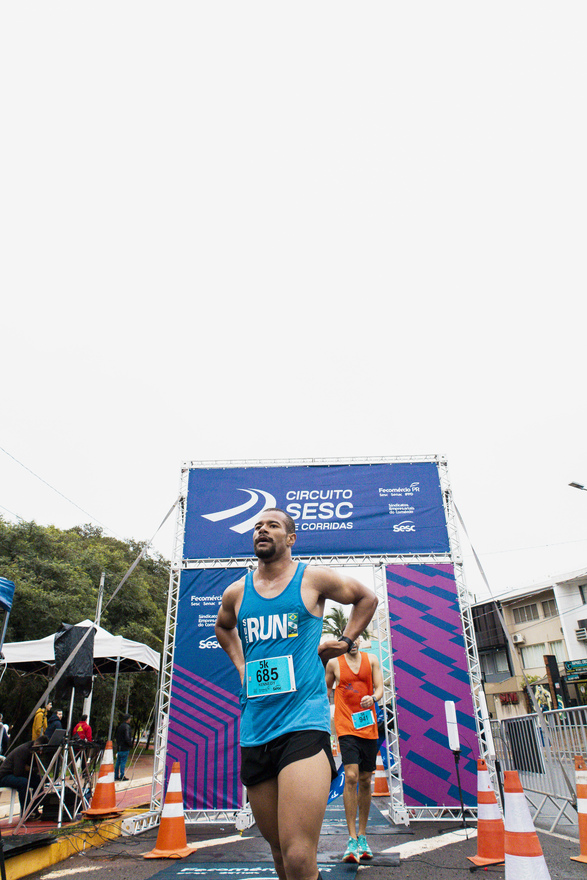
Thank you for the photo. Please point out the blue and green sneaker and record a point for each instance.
(364, 848)
(351, 853)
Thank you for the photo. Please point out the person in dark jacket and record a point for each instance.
(54, 723)
(4, 736)
(123, 744)
(14, 773)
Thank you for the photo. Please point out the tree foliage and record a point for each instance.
(57, 577)
(335, 622)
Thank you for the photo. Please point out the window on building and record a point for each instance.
(494, 663)
(526, 612)
(533, 656)
(549, 608)
(583, 593)
(558, 649)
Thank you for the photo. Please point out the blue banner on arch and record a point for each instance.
(391, 508)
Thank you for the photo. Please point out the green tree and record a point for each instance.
(335, 623)
(57, 576)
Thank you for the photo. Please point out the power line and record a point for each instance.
(534, 547)
(11, 512)
(93, 518)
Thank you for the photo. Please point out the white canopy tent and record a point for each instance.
(38, 655)
(112, 654)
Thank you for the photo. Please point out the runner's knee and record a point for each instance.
(365, 781)
(351, 774)
(299, 860)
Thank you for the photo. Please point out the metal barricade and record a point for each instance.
(543, 751)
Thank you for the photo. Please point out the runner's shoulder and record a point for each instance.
(317, 575)
(234, 591)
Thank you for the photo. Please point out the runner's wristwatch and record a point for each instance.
(348, 641)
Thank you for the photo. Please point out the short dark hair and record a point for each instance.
(84, 717)
(290, 526)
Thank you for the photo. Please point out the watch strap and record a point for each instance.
(348, 641)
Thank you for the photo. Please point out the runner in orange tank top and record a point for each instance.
(358, 682)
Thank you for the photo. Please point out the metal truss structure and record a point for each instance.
(399, 812)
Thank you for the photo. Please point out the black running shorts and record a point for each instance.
(358, 750)
(259, 763)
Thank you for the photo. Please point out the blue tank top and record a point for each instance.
(282, 627)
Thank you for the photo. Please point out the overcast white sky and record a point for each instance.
(267, 230)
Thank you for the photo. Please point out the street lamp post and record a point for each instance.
(578, 486)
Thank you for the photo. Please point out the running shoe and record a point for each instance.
(364, 848)
(352, 851)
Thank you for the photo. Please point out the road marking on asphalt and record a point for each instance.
(67, 872)
(218, 840)
(416, 847)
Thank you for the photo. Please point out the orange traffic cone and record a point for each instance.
(523, 853)
(104, 799)
(171, 839)
(581, 781)
(490, 829)
(380, 789)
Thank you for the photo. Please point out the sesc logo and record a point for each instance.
(406, 526)
(210, 642)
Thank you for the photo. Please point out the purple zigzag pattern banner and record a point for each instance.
(203, 737)
(430, 667)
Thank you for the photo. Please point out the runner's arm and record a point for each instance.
(227, 632)
(346, 591)
(377, 677)
(330, 673)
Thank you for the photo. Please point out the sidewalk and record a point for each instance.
(134, 793)
(38, 845)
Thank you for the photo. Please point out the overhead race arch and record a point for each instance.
(392, 514)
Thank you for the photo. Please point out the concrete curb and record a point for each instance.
(65, 846)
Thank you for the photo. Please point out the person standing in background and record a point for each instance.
(4, 736)
(40, 719)
(83, 730)
(55, 723)
(123, 745)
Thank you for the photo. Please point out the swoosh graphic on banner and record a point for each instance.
(248, 524)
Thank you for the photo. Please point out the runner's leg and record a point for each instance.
(364, 799)
(349, 796)
(263, 801)
(303, 793)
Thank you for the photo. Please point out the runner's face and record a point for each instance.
(270, 537)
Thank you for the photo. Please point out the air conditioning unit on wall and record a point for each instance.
(518, 638)
(581, 635)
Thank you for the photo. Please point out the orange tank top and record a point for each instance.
(349, 691)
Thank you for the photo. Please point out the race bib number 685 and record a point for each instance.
(272, 676)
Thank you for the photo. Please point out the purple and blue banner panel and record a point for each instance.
(391, 508)
(204, 712)
(430, 668)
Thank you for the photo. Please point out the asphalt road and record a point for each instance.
(437, 850)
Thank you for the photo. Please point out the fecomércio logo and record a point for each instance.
(258, 499)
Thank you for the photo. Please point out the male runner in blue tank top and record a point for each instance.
(269, 624)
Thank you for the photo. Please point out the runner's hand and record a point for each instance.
(331, 648)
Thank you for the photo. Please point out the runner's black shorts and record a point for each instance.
(259, 763)
(358, 750)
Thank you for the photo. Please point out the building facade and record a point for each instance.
(545, 620)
